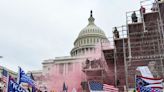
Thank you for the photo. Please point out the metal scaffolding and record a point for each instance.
(135, 44)
(145, 41)
(120, 55)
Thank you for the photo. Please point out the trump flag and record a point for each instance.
(13, 86)
(22, 77)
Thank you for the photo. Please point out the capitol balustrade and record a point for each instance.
(93, 65)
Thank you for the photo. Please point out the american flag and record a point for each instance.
(109, 88)
(4, 78)
(4, 75)
(99, 87)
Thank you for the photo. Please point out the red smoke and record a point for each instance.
(72, 78)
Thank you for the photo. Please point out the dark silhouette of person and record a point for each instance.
(116, 33)
(87, 61)
(84, 85)
(65, 88)
(118, 82)
(142, 10)
(134, 17)
(1, 89)
(87, 64)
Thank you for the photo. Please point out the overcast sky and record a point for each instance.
(35, 30)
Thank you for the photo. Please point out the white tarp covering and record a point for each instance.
(145, 72)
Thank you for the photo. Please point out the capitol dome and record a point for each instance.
(88, 38)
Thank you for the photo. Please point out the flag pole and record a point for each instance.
(18, 76)
(8, 77)
(135, 84)
(89, 86)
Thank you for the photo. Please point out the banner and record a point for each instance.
(13, 86)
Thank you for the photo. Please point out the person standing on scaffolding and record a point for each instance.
(142, 11)
(134, 17)
(116, 33)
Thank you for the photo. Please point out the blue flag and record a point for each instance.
(22, 77)
(65, 88)
(13, 86)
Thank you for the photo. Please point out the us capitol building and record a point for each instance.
(88, 37)
(68, 69)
